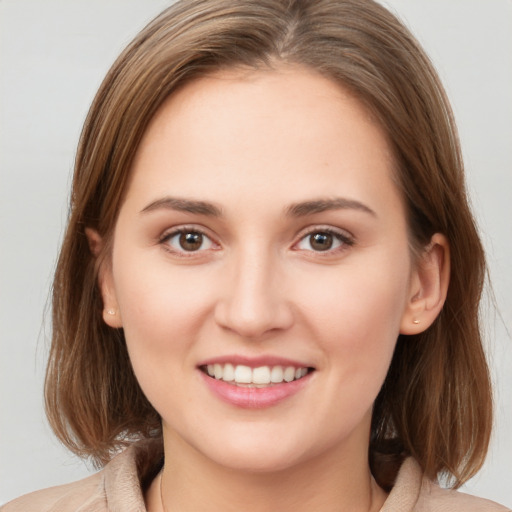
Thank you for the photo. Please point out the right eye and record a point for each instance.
(187, 241)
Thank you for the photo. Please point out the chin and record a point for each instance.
(257, 460)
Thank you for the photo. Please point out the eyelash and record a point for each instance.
(167, 236)
(345, 240)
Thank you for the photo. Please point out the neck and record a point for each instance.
(330, 482)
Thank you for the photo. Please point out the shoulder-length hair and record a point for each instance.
(436, 401)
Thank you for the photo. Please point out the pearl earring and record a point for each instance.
(111, 311)
(415, 321)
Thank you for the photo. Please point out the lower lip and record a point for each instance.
(254, 398)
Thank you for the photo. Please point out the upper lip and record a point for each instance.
(254, 362)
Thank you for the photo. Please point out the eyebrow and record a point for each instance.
(300, 209)
(322, 205)
(184, 205)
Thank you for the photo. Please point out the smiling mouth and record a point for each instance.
(259, 377)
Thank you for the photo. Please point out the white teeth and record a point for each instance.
(243, 374)
(260, 376)
(217, 371)
(289, 374)
(276, 374)
(229, 373)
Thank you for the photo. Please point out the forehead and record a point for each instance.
(259, 98)
(239, 131)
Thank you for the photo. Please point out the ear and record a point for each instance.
(428, 286)
(111, 313)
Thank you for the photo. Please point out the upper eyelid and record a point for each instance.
(170, 233)
(183, 229)
(304, 232)
(324, 228)
(345, 237)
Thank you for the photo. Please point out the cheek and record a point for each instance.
(357, 313)
(162, 313)
(161, 307)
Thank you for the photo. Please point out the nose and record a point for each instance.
(253, 301)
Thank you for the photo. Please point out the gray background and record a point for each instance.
(53, 56)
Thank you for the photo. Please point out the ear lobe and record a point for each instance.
(111, 314)
(428, 286)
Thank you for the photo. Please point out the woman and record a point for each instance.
(269, 285)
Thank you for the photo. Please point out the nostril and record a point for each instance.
(251, 319)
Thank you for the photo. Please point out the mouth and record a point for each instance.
(258, 377)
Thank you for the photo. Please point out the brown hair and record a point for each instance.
(435, 403)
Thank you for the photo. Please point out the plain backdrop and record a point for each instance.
(53, 56)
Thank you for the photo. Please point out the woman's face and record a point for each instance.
(262, 239)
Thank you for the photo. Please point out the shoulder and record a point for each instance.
(84, 495)
(116, 487)
(413, 491)
(434, 499)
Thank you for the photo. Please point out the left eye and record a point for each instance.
(321, 241)
(188, 241)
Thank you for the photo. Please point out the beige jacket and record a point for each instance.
(117, 488)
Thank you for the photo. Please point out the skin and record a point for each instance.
(253, 144)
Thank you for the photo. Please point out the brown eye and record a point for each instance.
(182, 241)
(321, 241)
(325, 241)
(191, 241)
